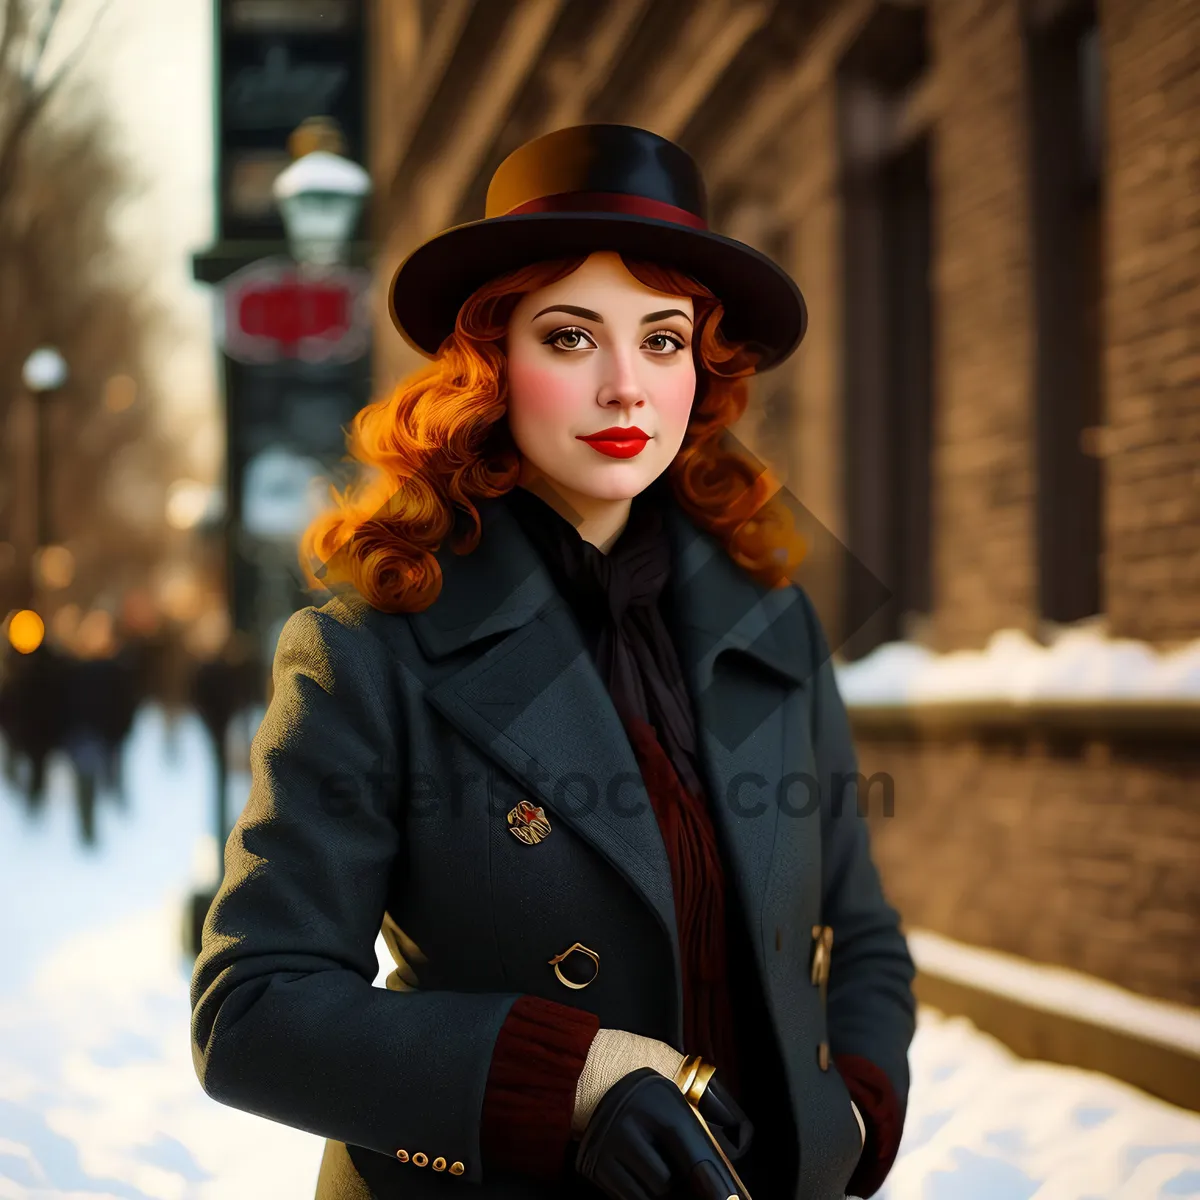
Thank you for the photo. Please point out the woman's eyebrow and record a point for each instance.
(666, 312)
(575, 311)
(572, 310)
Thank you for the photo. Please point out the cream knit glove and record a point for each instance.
(614, 1053)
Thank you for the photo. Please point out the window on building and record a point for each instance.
(1066, 135)
(887, 323)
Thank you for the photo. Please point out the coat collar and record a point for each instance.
(497, 587)
(502, 585)
(528, 695)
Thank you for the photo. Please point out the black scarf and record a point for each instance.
(618, 600)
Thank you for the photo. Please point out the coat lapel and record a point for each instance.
(534, 702)
(741, 653)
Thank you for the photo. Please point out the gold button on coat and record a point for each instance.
(584, 952)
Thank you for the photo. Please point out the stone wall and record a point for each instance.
(1073, 851)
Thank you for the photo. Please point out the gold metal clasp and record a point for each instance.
(822, 955)
(582, 949)
(822, 952)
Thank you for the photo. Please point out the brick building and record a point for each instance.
(993, 208)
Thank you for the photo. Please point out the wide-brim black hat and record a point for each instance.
(597, 187)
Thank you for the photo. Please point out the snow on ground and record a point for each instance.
(98, 1096)
(985, 1125)
(1081, 664)
(99, 1099)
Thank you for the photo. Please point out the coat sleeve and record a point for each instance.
(285, 1020)
(871, 1006)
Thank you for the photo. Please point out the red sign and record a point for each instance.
(273, 310)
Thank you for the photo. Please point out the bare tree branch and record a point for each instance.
(65, 282)
(39, 51)
(10, 147)
(34, 100)
(82, 45)
(8, 39)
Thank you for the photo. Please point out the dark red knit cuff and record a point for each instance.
(530, 1095)
(872, 1091)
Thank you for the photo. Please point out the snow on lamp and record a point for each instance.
(320, 196)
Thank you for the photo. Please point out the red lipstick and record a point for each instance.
(617, 441)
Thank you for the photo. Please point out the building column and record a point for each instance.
(984, 454)
(1151, 57)
(815, 456)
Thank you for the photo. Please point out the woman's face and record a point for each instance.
(599, 351)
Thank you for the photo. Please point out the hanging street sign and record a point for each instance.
(273, 310)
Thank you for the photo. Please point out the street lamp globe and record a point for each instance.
(45, 370)
(320, 197)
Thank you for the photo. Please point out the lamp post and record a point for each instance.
(44, 373)
(320, 197)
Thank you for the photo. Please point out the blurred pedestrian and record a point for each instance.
(32, 714)
(223, 687)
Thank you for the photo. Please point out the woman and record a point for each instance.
(569, 736)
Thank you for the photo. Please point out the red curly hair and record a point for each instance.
(440, 442)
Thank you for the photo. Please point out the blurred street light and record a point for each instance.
(95, 635)
(180, 596)
(320, 196)
(26, 631)
(120, 392)
(44, 373)
(45, 370)
(190, 503)
(65, 623)
(208, 633)
(55, 567)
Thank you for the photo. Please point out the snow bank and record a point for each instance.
(1082, 664)
(1058, 990)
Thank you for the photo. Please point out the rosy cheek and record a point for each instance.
(674, 396)
(541, 391)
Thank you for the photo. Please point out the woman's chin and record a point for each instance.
(615, 481)
(596, 477)
(615, 478)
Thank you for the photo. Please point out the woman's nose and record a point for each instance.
(621, 386)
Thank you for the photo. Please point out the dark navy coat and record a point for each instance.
(392, 749)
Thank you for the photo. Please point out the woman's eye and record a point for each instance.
(664, 343)
(569, 339)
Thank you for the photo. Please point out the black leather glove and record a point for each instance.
(729, 1123)
(644, 1141)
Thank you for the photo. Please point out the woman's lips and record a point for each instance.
(618, 442)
